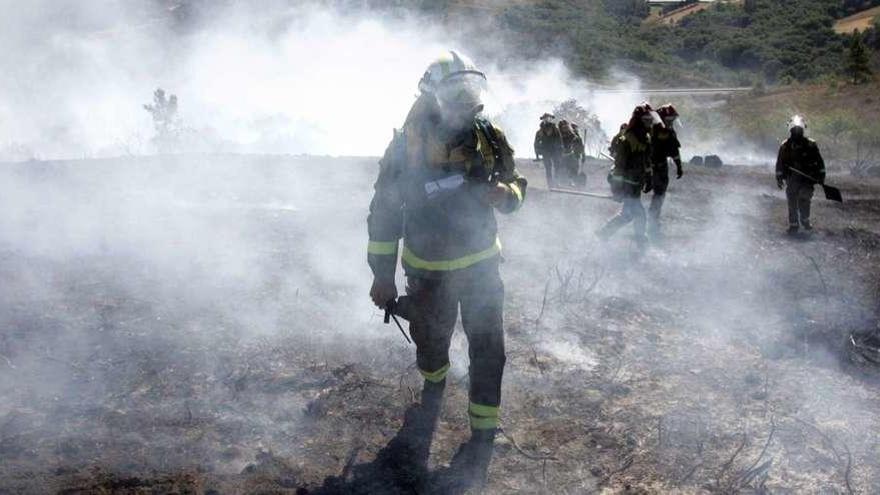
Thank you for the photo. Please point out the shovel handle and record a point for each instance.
(804, 175)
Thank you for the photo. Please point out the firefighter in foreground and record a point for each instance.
(548, 147)
(799, 167)
(664, 145)
(440, 180)
(632, 173)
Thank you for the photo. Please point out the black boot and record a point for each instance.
(405, 459)
(470, 464)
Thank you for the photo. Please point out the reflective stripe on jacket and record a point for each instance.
(432, 192)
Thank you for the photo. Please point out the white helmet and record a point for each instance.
(797, 125)
(449, 66)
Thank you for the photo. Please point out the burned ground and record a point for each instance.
(199, 324)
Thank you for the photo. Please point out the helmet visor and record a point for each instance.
(462, 92)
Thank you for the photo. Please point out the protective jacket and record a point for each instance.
(548, 140)
(431, 192)
(665, 145)
(802, 154)
(572, 146)
(615, 142)
(632, 162)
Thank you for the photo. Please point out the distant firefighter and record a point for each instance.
(548, 146)
(632, 173)
(665, 145)
(572, 151)
(799, 167)
(612, 148)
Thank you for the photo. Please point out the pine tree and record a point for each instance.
(858, 64)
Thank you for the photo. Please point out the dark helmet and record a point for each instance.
(565, 128)
(667, 114)
(643, 117)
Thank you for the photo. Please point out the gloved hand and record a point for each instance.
(497, 194)
(678, 170)
(649, 184)
(382, 291)
(780, 183)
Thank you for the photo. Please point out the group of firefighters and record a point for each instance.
(641, 152)
(440, 181)
(562, 150)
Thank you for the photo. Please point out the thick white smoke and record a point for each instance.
(250, 78)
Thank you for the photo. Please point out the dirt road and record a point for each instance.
(200, 325)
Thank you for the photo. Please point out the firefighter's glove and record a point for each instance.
(649, 185)
(382, 291)
(780, 183)
(678, 170)
(497, 194)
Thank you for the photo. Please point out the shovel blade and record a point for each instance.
(832, 193)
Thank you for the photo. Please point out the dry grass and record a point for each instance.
(714, 363)
(861, 21)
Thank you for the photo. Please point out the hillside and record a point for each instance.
(861, 21)
(731, 43)
(842, 119)
(734, 43)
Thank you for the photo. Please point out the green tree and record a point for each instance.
(750, 6)
(858, 65)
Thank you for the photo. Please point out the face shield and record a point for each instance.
(460, 98)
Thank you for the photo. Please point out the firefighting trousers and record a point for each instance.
(479, 293)
(571, 165)
(799, 192)
(632, 210)
(660, 183)
(552, 166)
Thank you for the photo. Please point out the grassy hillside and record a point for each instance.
(759, 40)
(841, 118)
